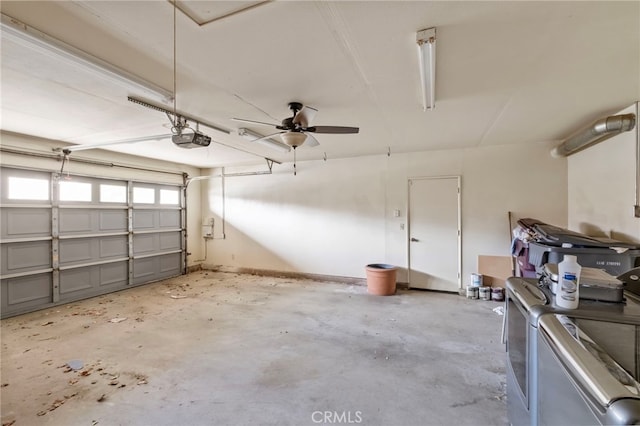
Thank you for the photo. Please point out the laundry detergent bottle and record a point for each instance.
(567, 294)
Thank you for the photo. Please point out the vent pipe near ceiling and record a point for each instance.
(599, 131)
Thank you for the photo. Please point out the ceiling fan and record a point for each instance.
(297, 130)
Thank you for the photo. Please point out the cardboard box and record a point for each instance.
(495, 269)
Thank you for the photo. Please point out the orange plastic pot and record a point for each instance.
(381, 279)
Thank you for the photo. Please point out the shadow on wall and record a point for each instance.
(592, 230)
(595, 231)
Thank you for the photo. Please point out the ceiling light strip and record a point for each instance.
(30, 37)
(426, 40)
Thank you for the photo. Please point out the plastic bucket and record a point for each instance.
(381, 279)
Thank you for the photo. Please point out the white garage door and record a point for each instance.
(65, 238)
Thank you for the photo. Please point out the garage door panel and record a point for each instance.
(114, 274)
(170, 241)
(156, 268)
(115, 246)
(169, 218)
(92, 280)
(75, 280)
(87, 250)
(170, 264)
(79, 221)
(145, 243)
(144, 269)
(144, 219)
(112, 220)
(75, 221)
(25, 222)
(22, 294)
(77, 250)
(25, 256)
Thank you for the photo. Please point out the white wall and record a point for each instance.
(335, 217)
(195, 243)
(602, 182)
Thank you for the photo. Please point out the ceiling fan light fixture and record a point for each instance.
(293, 139)
(426, 40)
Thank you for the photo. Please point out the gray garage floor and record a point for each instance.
(215, 348)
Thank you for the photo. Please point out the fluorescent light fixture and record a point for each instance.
(258, 138)
(426, 40)
(27, 36)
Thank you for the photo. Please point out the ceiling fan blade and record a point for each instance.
(242, 120)
(310, 141)
(305, 116)
(266, 137)
(333, 129)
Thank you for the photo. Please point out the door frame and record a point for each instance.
(458, 179)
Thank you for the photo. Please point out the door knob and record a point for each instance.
(414, 240)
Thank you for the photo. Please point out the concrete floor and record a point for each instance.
(214, 348)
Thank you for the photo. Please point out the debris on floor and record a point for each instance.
(137, 361)
(498, 310)
(55, 404)
(75, 364)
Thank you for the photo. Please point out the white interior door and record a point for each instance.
(434, 233)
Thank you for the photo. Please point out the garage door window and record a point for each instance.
(28, 189)
(144, 195)
(113, 193)
(75, 191)
(169, 196)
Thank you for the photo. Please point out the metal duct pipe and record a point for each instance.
(599, 131)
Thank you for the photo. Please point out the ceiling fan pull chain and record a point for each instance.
(294, 161)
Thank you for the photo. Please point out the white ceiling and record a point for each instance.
(507, 72)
